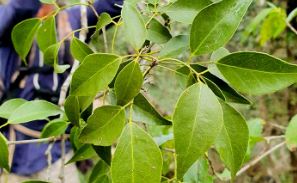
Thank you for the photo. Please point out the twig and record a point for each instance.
(168, 150)
(292, 28)
(48, 154)
(268, 139)
(62, 171)
(258, 159)
(31, 141)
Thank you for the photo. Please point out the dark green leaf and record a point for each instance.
(197, 121)
(104, 152)
(219, 22)
(104, 126)
(23, 35)
(4, 153)
(54, 128)
(100, 173)
(157, 33)
(128, 83)
(122, 66)
(7, 108)
(137, 158)
(84, 152)
(79, 50)
(72, 109)
(46, 35)
(257, 73)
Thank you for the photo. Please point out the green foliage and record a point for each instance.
(46, 35)
(9, 106)
(54, 128)
(198, 173)
(4, 153)
(79, 49)
(291, 135)
(100, 173)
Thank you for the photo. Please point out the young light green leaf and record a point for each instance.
(197, 121)
(104, 126)
(134, 25)
(79, 50)
(100, 173)
(185, 11)
(72, 109)
(233, 139)
(33, 110)
(46, 35)
(198, 173)
(144, 111)
(157, 33)
(175, 46)
(103, 21)
(23, 35)
(4, 153)
(51, 56)
(84, 152)
(137, 158)
(54, 128)
(94, 74)
(257, 73)
(291, 135)
(7, 108)
(219, 22)
(128, 83)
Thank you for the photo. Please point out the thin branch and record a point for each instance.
(292, 28)
(268, 139)
(32, 141)
(258, 159)
(48, 154)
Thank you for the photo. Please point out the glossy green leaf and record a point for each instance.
(157, 33)
(4, 153)
(79, 50)
(144, 111)
(134, 25)
(104, 126)
(46, 35)
(33, 110)
(198, 173)
(100, 173)
(197, 121)
(7, 108)
(137, 158)
(84, 152)
(23, 36)
(104, 153)
(54, 128)
(185, 11)
(232, 142)
(257, 73)
(94, 74)
(175, 46)
(128, 83)
(72, 109)
(219, 22)
(291, 135)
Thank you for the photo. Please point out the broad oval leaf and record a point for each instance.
(23, 35)
(257, 73)
(233, 139)
(144, 111)
(157, 33)
(134, 25)
(46, 35)
(79, 50)
(291, 135)
(185, 11)
(7, 108)
(137, 158)
(219, 22)
(54, 128)
(128, 83)
(104, 126)
(33, 110)
(4, 153)
(84, 152)
(94, 74)
(197, 121)
(175, 46)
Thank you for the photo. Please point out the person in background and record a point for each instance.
(37, 81)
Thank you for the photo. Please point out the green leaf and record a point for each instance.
(100, 173)
(134, 25)
(197, 121)
(103, 21)
(175, 46)
(23, 36)
(291, 135)
(257, 73)
(121, 67)
(104, 153)
(79, 50)
(51, 58)
(94, 74)
(33, 110)
(46, 35)
(7, 108)
(72, 109)
(128, 83)
(144, 111)
(219, 22)
(137, 158)
(198, 173)
(84, 152)
(54, 128)
(157, 33)
(185, 11)
(104, 126)
(4, 153)
(233, 140)
(292, 15)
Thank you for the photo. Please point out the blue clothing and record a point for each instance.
(29, 158)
